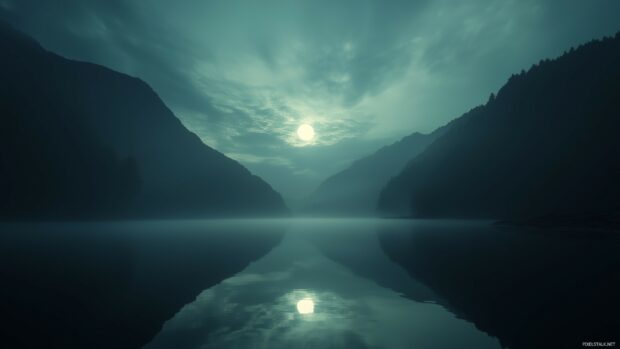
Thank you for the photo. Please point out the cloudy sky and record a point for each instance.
(243, 75)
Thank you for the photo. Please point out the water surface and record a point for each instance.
(352, 288)
(305, 283)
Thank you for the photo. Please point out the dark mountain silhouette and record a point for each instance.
(80, 140)
(546, 144)
(355, 190)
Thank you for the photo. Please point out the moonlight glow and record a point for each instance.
(305, 306)
(305, 132)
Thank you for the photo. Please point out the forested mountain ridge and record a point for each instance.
(355, 190)
(547, 143)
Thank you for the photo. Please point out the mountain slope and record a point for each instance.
(355, 190)
(548, 143)
(78, 139)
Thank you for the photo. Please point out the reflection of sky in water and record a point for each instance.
(257, 308)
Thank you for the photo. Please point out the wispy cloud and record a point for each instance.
(243, 75)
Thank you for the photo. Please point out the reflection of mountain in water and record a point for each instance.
(529, 290)
(257, 307)
(355, 245)
(112, 285)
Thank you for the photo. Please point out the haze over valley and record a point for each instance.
(309, 174)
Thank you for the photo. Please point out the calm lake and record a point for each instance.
(305, 283)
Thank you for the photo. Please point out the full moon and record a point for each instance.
(305, 132)
(305, 306)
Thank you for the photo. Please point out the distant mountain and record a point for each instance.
(80, 140)
(548, 143)
(355, 190)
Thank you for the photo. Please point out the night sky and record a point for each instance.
(243, 75)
